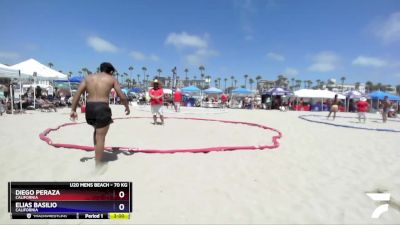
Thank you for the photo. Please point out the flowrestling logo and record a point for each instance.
(380, 197)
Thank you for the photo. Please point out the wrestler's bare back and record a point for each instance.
(99, 86)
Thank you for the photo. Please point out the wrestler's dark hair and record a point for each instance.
(107, 68)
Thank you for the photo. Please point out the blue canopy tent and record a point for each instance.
(76, 79)
(278, 91)
(136, 90)
(213, 90)
(190, 101)
(380, 95)
(241, 91)
(190, 89)
(125, 90)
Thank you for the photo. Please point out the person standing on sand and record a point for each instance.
(385, 108)
(177, 100)
(156, 101)
(334, 107)
(362, 107)
(98, 112)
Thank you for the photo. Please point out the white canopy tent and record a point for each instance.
(310, 93)
(31, 66)
(319, 94)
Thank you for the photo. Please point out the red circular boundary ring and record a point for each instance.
(43, 136)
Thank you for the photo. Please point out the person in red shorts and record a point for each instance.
(156, 101)
(362, 107)
(177, 100)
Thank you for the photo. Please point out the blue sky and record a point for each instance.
(303, 39)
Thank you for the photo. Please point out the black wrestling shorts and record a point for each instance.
(98, 114)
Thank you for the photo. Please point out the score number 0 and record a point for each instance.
(121, 195)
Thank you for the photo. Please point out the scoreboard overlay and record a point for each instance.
(70, 200)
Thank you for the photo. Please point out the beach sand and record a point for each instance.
(318, 175)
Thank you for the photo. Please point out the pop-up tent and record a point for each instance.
(190, 89)
(243, 91)
(318, 94)
(278, 91)
(380, 95)
(213, 90)
(31, 66)
(323, 94)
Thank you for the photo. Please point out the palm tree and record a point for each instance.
(50, 64)
(342, 79)
(245, 80)
(258, 78)
(219, 82)
(130, 71)
(128, 81)
(235, 82)
(147, 80)
(144, 69)
(125, 75)
(369, 86)
(318, 83)
(298, 84)
(225, 80)
(251, 81)
(186, 71)
(309, 83)
(202, 68)
(232, 78)
(138, 79)
(159, 72)
(69, 74)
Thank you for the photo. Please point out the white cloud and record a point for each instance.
(275, 56)
(389, 30)
(186, 40)
(9, 55)
(194, 49)
(291, 72)
(200, 56)
(369, 61)
(142, 57)
(101, 45)
(324, 62)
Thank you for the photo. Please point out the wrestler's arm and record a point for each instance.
(122, 96)
(77, 96)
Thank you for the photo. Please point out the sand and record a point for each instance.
(318, 175)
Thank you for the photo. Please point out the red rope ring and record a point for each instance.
(43, 136)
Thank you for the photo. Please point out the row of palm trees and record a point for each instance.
(282, 80)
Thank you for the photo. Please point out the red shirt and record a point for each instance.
(158, 92)
(362, 106)
(178, 96)
(224, 98)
